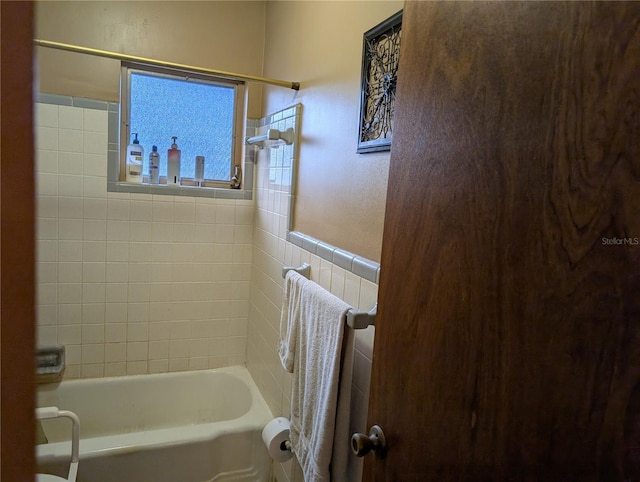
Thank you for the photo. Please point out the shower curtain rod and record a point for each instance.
(162, 63)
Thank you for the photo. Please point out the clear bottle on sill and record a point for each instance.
(154, 166)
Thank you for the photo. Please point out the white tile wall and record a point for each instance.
(133, 283)
(271, 252)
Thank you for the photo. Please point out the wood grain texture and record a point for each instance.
(508, 340)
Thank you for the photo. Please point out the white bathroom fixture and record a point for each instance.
(273, 137)
(193, 425)
(53, 412)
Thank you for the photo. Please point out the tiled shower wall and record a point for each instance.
(271, 252)
(132, 283)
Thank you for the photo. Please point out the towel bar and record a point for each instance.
(304, 270)
(362, 319)
(355, 319)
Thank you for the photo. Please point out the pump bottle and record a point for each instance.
(173, 164)
(135, 153)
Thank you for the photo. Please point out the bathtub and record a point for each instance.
(173, 427)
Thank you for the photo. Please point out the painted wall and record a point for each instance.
(221, 35)
(341, 195)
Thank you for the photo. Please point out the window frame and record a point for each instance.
(239, 108)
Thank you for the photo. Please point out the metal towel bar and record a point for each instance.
(355, 319)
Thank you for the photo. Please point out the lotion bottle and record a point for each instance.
(173, 164)
(135, 153)
(154, 166)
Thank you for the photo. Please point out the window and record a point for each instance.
(203, 112)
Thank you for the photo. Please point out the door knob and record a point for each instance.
(362, 444)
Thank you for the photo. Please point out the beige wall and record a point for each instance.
(225, 36)
(341, 195)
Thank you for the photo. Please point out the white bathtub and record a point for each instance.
(172, 427)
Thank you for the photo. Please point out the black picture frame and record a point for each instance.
(380, 56)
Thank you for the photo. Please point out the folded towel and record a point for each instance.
(313, 333)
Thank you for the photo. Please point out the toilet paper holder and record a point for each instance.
(275, 436)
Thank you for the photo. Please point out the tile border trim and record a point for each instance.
(363, 267)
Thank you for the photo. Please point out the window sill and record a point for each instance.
(210, 192)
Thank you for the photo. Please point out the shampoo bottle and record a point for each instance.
(154, 166)
(135, 153)
(173, 164)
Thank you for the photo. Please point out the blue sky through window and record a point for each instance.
(199, 114)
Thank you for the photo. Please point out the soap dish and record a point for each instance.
(49, 364)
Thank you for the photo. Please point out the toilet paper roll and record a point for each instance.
(274, 436)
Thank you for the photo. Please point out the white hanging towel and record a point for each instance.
(311, 335)
(290, 318)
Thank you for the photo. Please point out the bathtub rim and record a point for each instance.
(254, 419)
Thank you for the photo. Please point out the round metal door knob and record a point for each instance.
(362, 444)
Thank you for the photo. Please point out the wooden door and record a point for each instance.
(17, 240)
(508, 334)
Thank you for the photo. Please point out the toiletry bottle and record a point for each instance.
(173, 164)
(199, 168)
(154, 166)
(135, 152)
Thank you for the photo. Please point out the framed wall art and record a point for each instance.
(380, 55)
